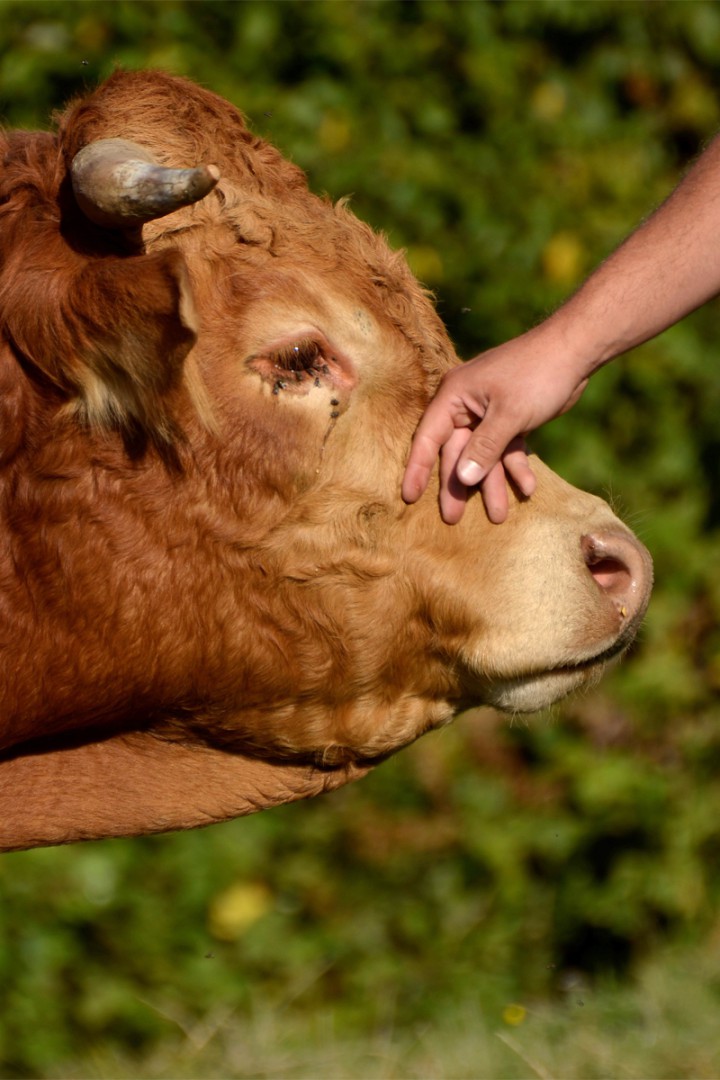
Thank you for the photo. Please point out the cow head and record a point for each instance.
(216, 377)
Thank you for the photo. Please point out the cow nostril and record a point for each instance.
(611, 575)
(614, 564)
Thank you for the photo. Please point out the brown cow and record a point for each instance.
(213, 598)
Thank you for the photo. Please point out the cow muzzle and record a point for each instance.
(620, 575)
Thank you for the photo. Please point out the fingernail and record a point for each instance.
(469, 472)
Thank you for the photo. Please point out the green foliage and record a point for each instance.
(508, 146)
(663, 1027)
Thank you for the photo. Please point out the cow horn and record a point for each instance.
(118, 185)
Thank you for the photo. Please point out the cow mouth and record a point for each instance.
(613, 652)
(539, 689)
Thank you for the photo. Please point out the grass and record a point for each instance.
(664, 1027)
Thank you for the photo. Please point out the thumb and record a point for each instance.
(485, 447)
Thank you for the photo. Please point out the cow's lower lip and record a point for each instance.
(530, 693)
(604, 657)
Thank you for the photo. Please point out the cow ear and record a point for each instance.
(136, 324)
(114, 335)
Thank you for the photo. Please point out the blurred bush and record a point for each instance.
(508, 147)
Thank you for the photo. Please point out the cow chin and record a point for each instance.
(530, 693)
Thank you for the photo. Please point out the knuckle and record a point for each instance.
(485, 442)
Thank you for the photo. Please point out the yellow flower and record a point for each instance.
(514, 1014)
(563, 258)
(235, 909)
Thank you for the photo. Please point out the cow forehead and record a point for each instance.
(296, 249)
(321, 267)
(288, 308)
(262, 209)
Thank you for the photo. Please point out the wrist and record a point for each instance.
(573, 346)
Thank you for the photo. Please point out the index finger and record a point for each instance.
(434, 430)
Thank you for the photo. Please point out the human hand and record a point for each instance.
(478, 418)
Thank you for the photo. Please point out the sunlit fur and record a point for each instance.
(203, 558)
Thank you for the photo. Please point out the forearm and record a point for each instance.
(668, 267)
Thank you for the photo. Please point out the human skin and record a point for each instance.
(476, 422)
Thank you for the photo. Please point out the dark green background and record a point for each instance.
(508, 147)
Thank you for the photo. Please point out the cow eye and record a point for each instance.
(299, 356)
(300, 365)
